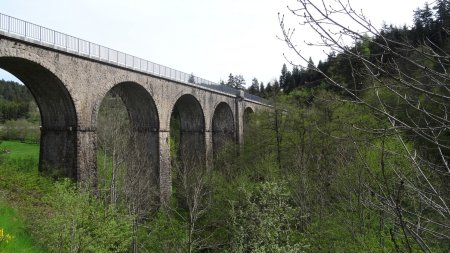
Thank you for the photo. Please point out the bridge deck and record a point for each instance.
(36, 34)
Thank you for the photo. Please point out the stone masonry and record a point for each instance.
(69, 89)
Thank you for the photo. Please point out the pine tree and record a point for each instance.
(276, 86)
(442, 9)
(295, 79)
(423, 18)
(254, 88)
(239, 82)
(231, 81)
(442, 15)
(311, 65)
(427, 17)
(262, 91)
(269, 89)
(283, 77)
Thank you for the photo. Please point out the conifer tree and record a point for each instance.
(254, 88)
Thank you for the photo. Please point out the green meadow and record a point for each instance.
(18, 181)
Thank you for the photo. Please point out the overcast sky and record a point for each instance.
(210, 38)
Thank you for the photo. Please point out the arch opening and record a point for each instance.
(58, 118)
(128, 147)
(187, 128)
(187, 148)
(248, 112)
(223, 127)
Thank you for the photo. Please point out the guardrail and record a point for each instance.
(51, 38)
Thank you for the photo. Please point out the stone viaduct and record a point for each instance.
(69, 78)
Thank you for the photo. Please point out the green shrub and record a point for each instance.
(164, 234)
(264, 220)
(21, 130)
(76, 222)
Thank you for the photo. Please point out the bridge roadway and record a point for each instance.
(69, 78)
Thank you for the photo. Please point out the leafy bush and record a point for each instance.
(76, 222)
(264, 221)
(20, 129)
(164, 234)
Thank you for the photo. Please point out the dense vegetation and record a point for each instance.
(352, 158)
(19, 114)
(14, 101)
(53, 216)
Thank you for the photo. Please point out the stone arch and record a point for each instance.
(190, 116)
(140, 105)
(247, 116)
(59, 121)
(248, 111)
(142, 159)
(223, 127)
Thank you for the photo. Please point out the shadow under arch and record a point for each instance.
(247, 117)
(247, 112)
(223, 127)
(188, 120)
(58, 145)
(140, 139)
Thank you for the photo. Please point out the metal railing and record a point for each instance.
(51, 38)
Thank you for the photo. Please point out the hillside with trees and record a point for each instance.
(19, 114)
(399, 78)
(14, 101)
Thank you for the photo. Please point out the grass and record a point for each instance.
(11, 223)
(19, 150)
(23, 156)
(20, 190)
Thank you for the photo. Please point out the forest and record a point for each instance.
(19, 114)
(353, 157)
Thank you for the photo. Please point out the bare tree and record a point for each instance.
(192, 183)
(113, 138)
(416, 75)
(126, 177)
